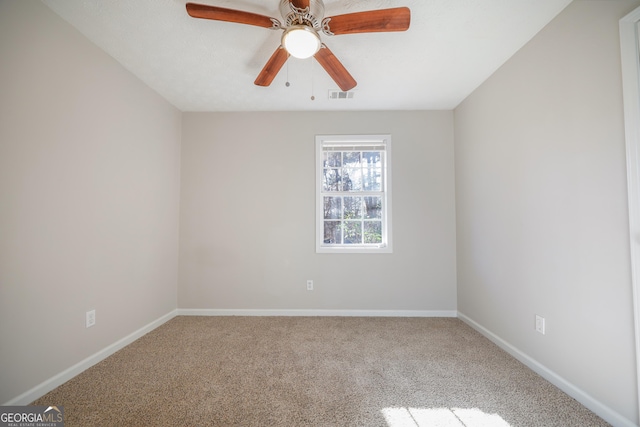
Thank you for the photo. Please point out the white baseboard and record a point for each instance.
(600, 409)
(64, 376)
(312, 312)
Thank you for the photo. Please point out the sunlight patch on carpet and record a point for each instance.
(441, 417)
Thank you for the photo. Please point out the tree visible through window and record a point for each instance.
(353, 193)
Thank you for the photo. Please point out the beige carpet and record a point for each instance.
(314, 371)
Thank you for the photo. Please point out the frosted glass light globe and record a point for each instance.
(301, 41)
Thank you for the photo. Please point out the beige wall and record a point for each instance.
(248, 207)
(89, 196)
(542, 221)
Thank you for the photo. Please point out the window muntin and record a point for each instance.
(353, 212)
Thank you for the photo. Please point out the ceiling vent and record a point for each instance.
(338, 94)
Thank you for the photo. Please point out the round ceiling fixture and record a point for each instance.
(301, 41)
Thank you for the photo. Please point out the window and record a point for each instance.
(353, 188)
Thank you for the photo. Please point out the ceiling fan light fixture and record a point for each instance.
(301, 41)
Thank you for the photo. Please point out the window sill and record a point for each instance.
(354, 250)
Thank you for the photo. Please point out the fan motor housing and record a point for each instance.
(310, 16)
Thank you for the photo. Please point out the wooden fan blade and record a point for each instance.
(300, 4)
(229, 15)
(274, 64)
(335, 69)
(373, 21)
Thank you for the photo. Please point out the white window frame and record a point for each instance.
(349, 141)
(630, 55)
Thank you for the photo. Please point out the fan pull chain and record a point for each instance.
(312, 68)
(287, 84)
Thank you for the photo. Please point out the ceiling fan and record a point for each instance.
(303, 20)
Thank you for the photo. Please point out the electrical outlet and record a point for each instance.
(540, 326)
(90, 318)
(309, 285)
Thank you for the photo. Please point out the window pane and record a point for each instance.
(371, 179)
(332, 232)
(352, 232)
(351, 158)
(352, 180)
(373, 158)
(373, 207)
(331, 180)
(353, 207)
(332, 207)
(332, 159)
(373, 232)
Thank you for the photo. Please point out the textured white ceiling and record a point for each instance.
(451, 47)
